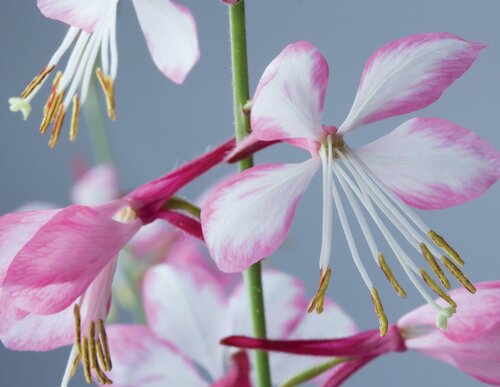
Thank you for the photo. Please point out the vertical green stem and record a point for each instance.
(97, 126)
(252, 276)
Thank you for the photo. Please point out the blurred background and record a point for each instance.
(160, 125)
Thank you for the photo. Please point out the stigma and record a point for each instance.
(367, 195)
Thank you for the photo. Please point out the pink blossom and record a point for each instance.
(172, 350)
(171, 36)
(469, 343)
(57, 265)
(428, 163)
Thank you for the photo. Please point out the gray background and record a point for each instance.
(161, 124)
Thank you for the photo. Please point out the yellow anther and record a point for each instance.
(431, 260)
(457, 273)
(37, 80)
(101, 376)
(107, 356)
(108, 88)
(56, 131)
(441, 242)
(73, 129)
(52, 104)
(78, 332)
(86, 360)
(319, 298)
(379, 310)
(436, 289)
(100, 353)
(74, 365)
(390, 276)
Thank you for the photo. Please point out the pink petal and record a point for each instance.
(148, 198)
(432, 163)
(332, 323)
(476, 313)
(238, 374)
(142, 360)
(16, 230)
(153, 239)
(38, 332)
(284, 297)
(247, 217)
(64, 256)
(478, 357)
(194, 327)
(76, 13)
(171, 36)
(96, 186)
(409, 74)
(288, 102)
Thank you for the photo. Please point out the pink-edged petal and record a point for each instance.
(140, 359)
(476, 313)
(432, 163)
(16, 230)
(186, 306)
(247, 217)
(284, 297)
(96, 186)
(148, 198)
(38, 332)
(409, 74)
(153, 240)
(81, 14)
(288, 102)
(186, 223)
(64, 256)
(332, 323)
(238, 374)
(171, 36)
(478, 357)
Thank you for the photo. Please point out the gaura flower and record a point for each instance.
(170, 33)
(57, 266)
(428, 163)
(469, 343)
(189, 310)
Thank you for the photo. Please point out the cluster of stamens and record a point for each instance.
(77, 75)
(92, 350)
(360, 185)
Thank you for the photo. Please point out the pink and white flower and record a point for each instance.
(171, 36)
(428, 163)
(189, 310)
(469, 343)
(57, 266)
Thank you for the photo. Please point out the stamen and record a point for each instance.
(388, 273)
(86, 360)
(458, 274)
(73, 130)
(52, 104)
(319, 298)
(440, 292)
(74, 366)
(101, 376)
(379, 310)
(107, 86)
(441, 242)
(56, 131)
(431, 260)
(100, 353)
(104, 338)
(78, 333)
(37, 80)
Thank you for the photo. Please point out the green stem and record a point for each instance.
(241, 94)
(312, 372)
(178, 203)
(97, 126)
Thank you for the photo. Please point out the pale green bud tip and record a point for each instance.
(443, 316)
(20, 104)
